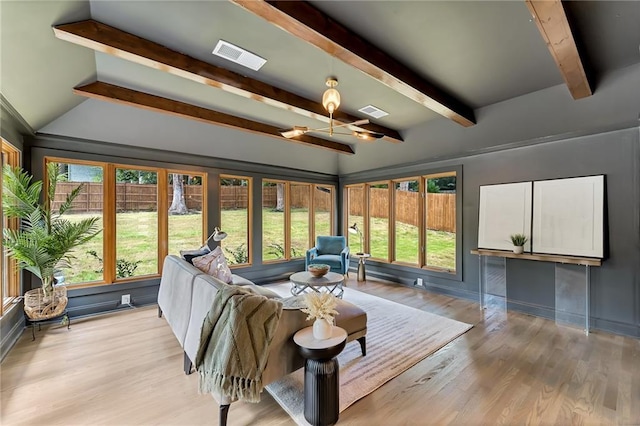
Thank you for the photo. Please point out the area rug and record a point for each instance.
(398, 337)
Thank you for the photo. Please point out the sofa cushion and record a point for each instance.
(331, 245)
(214, 264)
(333, 260)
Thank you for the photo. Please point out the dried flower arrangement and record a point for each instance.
(320, 306)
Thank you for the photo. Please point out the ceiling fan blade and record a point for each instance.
(355, 123)
(367, 136)
(295, 131)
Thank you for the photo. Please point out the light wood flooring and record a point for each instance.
(510, 368)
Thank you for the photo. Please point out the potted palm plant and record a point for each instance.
(43, 243)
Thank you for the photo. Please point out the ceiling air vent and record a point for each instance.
(238, 55)
(373, 111)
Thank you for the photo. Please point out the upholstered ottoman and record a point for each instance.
(354, 321)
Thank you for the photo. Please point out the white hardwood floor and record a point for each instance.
(126, 369)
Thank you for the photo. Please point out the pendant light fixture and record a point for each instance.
(331, 100)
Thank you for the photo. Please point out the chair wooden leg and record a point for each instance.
(159, 312)
(224, 411)
(363, 345)
(187, 364)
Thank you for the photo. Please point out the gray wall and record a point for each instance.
(11, 128)
(615, 286)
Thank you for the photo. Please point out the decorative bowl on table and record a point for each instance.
(318, 270)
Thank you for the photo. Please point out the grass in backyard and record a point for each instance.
(137, 240)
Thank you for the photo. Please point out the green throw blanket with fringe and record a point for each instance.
(234, 343)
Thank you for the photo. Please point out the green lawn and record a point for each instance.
(137, 240)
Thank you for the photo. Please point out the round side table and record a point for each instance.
(321, 376)
(362, 258)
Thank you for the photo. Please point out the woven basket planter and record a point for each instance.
(38, 307)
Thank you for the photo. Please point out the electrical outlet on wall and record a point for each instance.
(125, 299)
(419, 281)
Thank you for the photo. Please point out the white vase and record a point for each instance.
(321, 329)
(518, 249)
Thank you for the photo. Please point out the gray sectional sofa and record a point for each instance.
(186, 294)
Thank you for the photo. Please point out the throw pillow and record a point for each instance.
(214, 264)
(188, 255)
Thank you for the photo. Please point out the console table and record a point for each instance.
(587, 262)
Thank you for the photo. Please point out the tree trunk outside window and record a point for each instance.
(279, 197)
(178, 204)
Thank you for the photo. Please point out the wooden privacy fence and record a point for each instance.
(129, 197)
(441, 207)
(299, 197)
(143, 197)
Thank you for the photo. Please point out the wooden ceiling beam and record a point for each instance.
(554, 27)
(311, 25)
(106, 39)
(124, 96)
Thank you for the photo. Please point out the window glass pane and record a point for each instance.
(441, 221)
(355, 215)
(87, 262)
(379, 220)
(273, 236)
(322, 202)
(234, 218)
(300, 200)
(407, 217)
(185, 212)
(136, 222)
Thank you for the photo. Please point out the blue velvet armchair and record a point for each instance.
(332, 251)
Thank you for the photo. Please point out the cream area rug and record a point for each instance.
(398, 337)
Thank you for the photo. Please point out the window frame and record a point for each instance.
(249, 215)
(287, 215)
(422, 178)
(109, 214)
(13, 157)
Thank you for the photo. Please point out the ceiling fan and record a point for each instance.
(331, 102)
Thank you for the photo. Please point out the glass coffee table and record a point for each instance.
(304, 282)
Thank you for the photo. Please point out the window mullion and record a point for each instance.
(163, 216)
(422, 240)
(109, 224)
(287, 220)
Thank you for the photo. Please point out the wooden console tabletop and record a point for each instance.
(573, 260)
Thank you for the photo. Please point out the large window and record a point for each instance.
(145, 214)
(136, 221)
(440, 218)
(379, 220)
(323, 210)
(355, 217)
(8, 268)
(88, 265)
(300, 218)
(235, 218)
(186, 210)
(409, 221)
(274, 220)
(293, 213)
(407, 202)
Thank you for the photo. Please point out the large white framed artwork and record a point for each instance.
(504, 210)
(568, 216)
